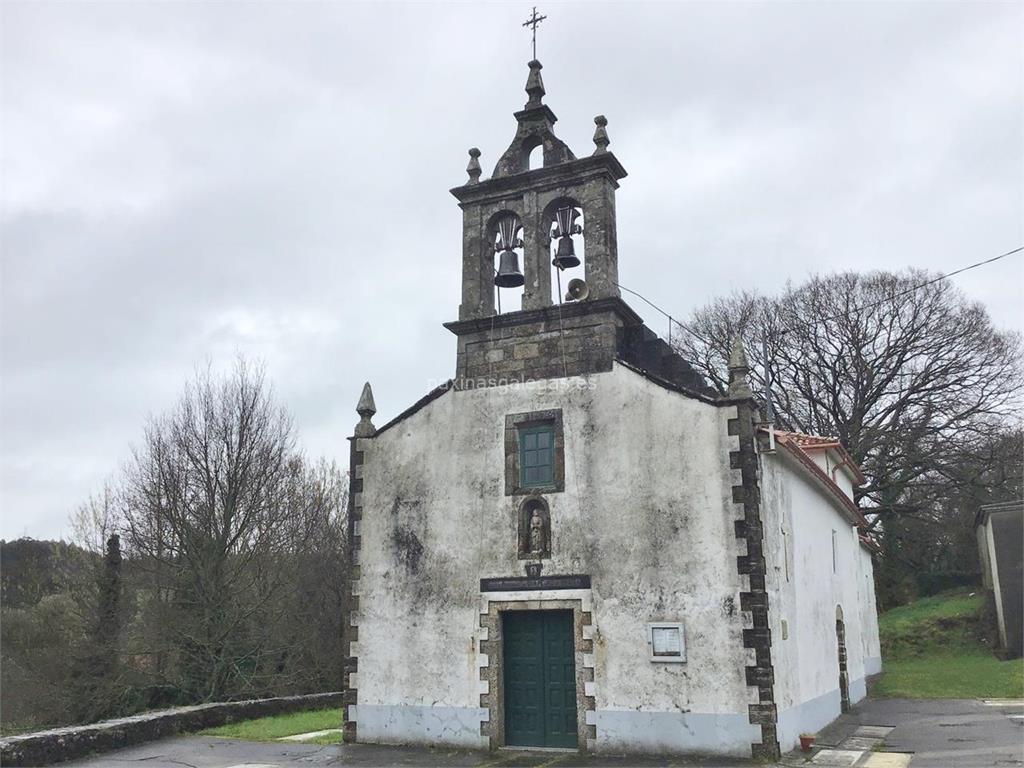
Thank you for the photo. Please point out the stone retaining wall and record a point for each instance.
(59, 744)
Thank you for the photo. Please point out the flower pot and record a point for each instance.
(806, 742)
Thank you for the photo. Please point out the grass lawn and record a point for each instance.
(938, 647)
(270, 728)
(981, 676)
(909, 617)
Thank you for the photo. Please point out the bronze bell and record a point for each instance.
(508, 275)
(565, 255)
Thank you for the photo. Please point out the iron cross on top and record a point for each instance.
(532, 22)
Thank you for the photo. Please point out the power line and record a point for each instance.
(910, 290)
(648, 301)
(861, 308)
(666, 314)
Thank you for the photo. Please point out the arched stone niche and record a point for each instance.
(534, 529)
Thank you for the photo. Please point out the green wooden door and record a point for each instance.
(540, 679)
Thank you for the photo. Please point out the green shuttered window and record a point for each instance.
(534, 453)
(537, 455)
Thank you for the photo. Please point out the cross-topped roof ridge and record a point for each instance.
(533, 22)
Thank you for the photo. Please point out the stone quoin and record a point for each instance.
(575, 542)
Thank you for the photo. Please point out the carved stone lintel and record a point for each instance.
(527, 583)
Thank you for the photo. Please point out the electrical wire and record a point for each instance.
(861, 308)
(910, 290)
(648, 301)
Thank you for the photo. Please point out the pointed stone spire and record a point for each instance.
(739, 387)
(366, 408)
(601, 135)
(534, 85)
(473, 169)
(535, 127)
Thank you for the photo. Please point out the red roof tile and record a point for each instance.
(818, 443)
(809, 441)
(800, 446)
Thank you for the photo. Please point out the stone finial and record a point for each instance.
(534, 85)
(738, 356)
(601, 135)
(473, 169)
(739, 387)
(366, 408)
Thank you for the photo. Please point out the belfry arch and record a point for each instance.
(565, 244)
(536, 195)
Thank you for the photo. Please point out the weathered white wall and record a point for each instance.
(868, 618)
(646, 511)
(841, 476)
(806, 661)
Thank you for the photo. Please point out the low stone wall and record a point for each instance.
(59, 744)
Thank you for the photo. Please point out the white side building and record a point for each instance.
(576, 543)
(821, 583)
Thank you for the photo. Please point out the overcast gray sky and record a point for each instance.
(182, 181)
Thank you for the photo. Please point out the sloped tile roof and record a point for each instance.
(809, 441)
(800, 447)
(818, 443)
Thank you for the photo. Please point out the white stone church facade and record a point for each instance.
(576, 543)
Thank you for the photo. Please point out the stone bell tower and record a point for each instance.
(520, 211)
(516, 215)
(531, 199)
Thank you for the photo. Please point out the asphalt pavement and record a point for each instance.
(950, 733)
(938, 733)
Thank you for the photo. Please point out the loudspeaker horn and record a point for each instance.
(578, 290)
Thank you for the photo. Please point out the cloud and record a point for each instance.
(186, 181)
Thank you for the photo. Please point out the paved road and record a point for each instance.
(945, 733)
(210, 752)
(940, 733)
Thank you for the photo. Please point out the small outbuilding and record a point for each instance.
(1000, 530)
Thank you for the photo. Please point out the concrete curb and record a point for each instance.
(60, 744)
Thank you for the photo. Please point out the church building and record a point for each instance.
(575, 542)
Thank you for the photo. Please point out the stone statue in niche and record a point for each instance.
(534, 529)
(537, 543)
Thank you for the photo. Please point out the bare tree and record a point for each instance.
(310, 635)
(904, 378)
(231, 582)
(208, 507)
(930, 552)
(94, 521)
(96, 683)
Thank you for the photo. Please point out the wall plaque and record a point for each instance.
(526, 583)
(666, 641)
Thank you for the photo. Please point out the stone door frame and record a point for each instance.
(492, 696)
(844, 678)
